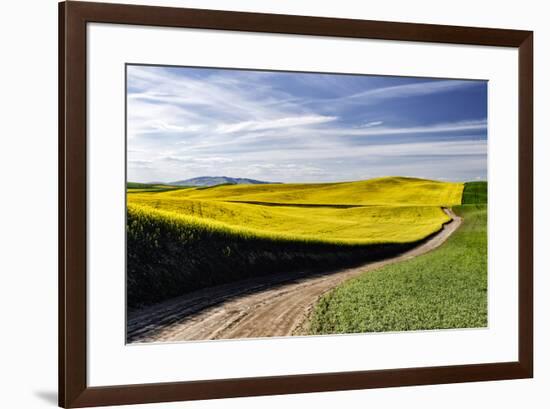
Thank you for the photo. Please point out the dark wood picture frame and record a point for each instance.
(73, 388)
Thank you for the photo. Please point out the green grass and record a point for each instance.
(446, 288)
(474, 192)
(134, 187)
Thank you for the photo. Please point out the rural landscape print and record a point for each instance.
(274, 204)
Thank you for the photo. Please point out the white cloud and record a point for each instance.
(407, 90)
(372, 123)
(287, 122)
(459, 126)
(181, 126)
(159, 125)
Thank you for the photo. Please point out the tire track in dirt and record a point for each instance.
(275, 305)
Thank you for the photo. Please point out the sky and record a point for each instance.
(302, 127)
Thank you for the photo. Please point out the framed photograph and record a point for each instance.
(255, 204)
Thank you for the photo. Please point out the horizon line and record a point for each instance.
(310, 182)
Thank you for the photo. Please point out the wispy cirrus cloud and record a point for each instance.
(370, 124)
(285, 122)
(458, 126)
(421, 88)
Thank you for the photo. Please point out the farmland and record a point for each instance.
(474, 192)
(446, 288)
(390, 191)
(389, 210)
(182, 239)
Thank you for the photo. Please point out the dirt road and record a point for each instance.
(275, 305)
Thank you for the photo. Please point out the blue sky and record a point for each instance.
(302, 127)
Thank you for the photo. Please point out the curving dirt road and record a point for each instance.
(275, 305)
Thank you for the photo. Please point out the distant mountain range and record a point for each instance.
(217, 180)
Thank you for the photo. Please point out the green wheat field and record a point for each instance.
(182, 239)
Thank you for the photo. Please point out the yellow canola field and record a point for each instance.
(390, 191)
(383, 210)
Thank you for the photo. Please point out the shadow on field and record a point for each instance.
(167, 257)
(144, 323)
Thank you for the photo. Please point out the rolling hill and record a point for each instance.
(181, 239)
(385, 210)
(217, 180)
(387, 191)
